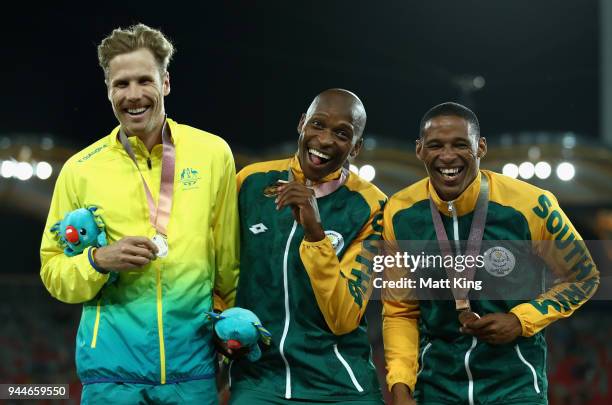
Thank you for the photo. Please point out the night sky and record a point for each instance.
(246, 70)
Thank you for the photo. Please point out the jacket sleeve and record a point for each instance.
(225, 233)
(401, 341)
(342, 288)
(400, 321)
(69, 279)
(565, 253)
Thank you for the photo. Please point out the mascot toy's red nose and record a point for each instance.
(72, 235)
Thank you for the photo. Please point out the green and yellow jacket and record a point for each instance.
(310, 295)
(148, 326)
(422, 338)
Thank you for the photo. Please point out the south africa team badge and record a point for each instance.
(336, 240)
(499, 261)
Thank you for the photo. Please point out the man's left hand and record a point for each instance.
(497, 329)
(303, 204)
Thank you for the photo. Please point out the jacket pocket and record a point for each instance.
(356, 384)
(96, 326)
(536, 387)
(427, 346)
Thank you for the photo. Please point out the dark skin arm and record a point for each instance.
(401, 395)
(301, 198)
(496, 329)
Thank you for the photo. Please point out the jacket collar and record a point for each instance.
(465, 203)
(137, 145)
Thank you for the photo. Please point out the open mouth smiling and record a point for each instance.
(449, 173)
(135, 112)
(317, 157)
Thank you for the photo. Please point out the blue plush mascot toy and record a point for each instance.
(80, 229)
(239, 327)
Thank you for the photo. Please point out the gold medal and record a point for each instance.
(271, 191)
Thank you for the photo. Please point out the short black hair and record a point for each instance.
(453, 109)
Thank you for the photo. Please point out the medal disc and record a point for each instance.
(162, 245)
(272, 190)
(466, 317)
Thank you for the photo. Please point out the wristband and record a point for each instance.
(93, 263)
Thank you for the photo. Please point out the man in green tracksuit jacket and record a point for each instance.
(501, 357)
(304, 271)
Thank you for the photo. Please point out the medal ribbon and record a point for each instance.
(159, 215)
(474, 242)
(321, 189)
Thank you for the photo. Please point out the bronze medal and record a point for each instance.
(466, 317)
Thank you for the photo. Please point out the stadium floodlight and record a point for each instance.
(43, 170)
(478, 82)
(566, 171)
(354, 169)
(510, 170)
(543, 170)
(7, 169)
(526, 170)
(569, 141)
(23, 171)
(367, 172)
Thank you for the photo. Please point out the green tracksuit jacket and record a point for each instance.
(311, 296)
(423, 345)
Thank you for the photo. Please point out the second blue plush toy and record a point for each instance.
(239, 327)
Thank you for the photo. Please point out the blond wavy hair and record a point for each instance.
(136, 37)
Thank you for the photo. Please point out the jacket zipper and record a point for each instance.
(287, 314)
(452, 209)
(160, 329)
(348, 369)
(149, 162)
(533, 372)
(427, 346)
(469, 372)
(94, 338)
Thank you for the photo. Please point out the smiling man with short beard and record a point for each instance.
(304, 221)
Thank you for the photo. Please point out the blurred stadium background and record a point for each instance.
(539, 77)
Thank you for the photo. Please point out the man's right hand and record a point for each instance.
(401, 395)
(127, 254)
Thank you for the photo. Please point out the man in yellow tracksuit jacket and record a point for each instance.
(501, 357)
(143, 336)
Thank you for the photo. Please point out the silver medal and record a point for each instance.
(162, 245)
